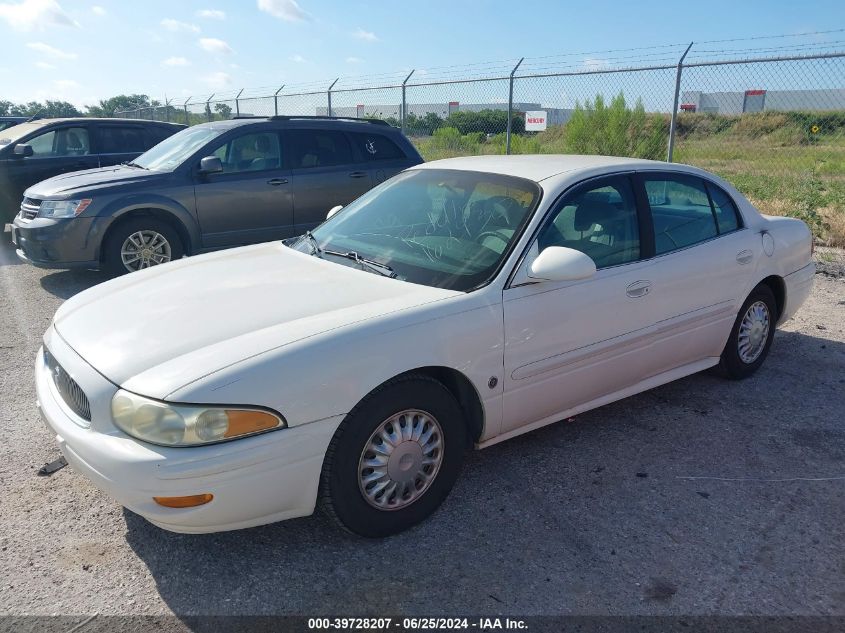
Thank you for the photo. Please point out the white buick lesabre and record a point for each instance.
(461, 303)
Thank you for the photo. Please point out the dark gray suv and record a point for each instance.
(211, 186)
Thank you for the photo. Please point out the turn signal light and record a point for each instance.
(184, 502)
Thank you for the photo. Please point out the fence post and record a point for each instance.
(330, 95)
(167, 109)
(208, 114)
(673, 121)
(237, 104)
(276, 100)
(404, 101)
(510, 107)
(185, 106)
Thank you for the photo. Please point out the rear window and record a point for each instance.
(318, 148)
(375, 147)
(155, 135)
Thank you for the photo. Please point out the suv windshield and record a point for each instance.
(172, 151)
(443, 228)
(12, 134)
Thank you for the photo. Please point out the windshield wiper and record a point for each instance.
(132, 163)
(363, 262)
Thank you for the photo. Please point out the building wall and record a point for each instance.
(772, 100)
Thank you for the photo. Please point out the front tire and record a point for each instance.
(394, 458)
(139, 243)
(751, 336)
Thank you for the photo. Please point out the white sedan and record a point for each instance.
(459, 304)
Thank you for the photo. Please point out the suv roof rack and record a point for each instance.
(321, 117)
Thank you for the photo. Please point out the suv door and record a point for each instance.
(61, 149)
(251, 200)
(383, 158)
(117, 143)
(324, 172)
(569, 343)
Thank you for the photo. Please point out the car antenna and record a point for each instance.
(33, 117)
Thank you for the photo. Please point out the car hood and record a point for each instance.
(66, 185)
(159, 329)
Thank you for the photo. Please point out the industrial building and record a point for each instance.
(760, 100)
(556, 116)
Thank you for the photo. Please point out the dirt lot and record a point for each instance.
(700, 497)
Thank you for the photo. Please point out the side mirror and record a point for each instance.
(22, 150)
(211, 165)
(333, 210)
(558, 263)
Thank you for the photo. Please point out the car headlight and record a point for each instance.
(187, 424)
(63, 208)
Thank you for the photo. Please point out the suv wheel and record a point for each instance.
(140, 243)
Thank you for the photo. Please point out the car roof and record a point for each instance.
(372, 125)
(538, 167)
(83, 119)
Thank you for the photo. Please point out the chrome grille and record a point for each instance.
(67, 387)
(29, 208)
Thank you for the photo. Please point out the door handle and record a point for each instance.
(638, 289)
(358, 174)
(277, 181)
(744, 257)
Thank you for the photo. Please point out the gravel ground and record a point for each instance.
(700, 497)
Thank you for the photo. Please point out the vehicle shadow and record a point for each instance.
(66, 283)
(603, 514)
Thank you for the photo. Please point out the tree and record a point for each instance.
(224, 110)
(108, 107)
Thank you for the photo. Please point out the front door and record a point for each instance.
(251, 200)
(569, 343)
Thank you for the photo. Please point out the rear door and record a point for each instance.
(251, 200)
(61, 149)
(118, 143)
(703, 264)
(325, 174)
(383, 157)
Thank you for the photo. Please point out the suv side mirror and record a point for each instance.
(211, 165)
(22, 150)
(333, 210)
(558, 263)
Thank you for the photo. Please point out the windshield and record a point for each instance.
(443, 228)
(12, 134)
(172, 151)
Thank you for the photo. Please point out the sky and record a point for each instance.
(81, 51)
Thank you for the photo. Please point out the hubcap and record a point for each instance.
(143, 249)
(753, 332)
(400, 460)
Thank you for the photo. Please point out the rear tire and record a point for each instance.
(394, 458)
(140, 242)
(751, 335)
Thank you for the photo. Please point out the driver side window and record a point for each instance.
(250, 152)
(62, 142)
(598, 220)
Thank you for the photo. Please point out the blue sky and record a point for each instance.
(81, 51)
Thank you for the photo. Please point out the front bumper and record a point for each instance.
(62, 243)
(255, 480)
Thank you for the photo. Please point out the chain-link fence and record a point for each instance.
(774, 126)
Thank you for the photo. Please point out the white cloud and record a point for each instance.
(44, 66)
(211, 14)
(49, 51)
(175, 25)
(32, 14)
(98, 10)
(299, 59)
(594, 63)
(353, 60)
(175, 61)
(65, 84)
(218, 80)
(288, 10)
(213, 45)
(367, 36)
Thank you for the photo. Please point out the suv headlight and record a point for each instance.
(63, 208)
(187, 424)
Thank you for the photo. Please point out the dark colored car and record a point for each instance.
(9, 121)
(211, 186)
(36, 150)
